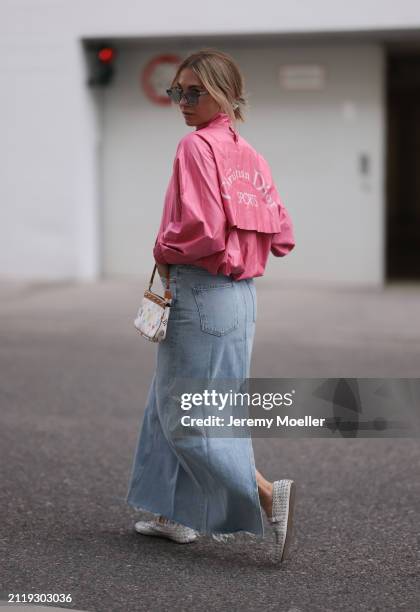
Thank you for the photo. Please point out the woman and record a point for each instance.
(222, 216)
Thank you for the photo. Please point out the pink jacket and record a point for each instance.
(222, 211)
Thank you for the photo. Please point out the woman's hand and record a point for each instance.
(162, 269)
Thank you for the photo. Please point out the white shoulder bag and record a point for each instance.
(152, 317)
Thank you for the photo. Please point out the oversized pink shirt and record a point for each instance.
(222, 211)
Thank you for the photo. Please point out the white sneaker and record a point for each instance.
(168, 529)
(282, 516)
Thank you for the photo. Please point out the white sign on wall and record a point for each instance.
(302, 77)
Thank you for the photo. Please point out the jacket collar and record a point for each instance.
(220, 119)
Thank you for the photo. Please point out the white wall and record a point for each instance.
(49, 126)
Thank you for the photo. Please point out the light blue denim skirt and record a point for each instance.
(207, 483)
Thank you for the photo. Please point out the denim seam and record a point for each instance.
(251, 450)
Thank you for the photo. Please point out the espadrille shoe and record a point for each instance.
(282, 516)
(167, 529)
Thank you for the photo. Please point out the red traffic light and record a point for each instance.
(106, 54)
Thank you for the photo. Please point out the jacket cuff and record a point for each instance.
(157, 253)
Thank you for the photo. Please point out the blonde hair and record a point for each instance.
(222, 78)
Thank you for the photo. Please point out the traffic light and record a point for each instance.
(101, 64)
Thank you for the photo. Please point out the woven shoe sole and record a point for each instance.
(284, 492)
(177, 533)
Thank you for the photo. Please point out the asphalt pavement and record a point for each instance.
(74, 378)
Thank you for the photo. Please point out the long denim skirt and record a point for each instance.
(204, 482)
